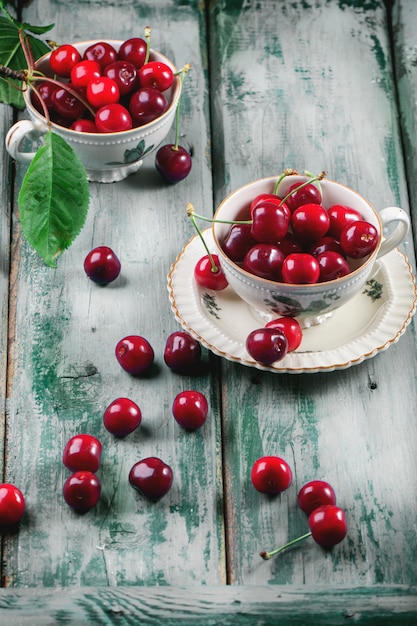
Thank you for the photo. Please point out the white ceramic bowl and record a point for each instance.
(107, 157)
(310, 303)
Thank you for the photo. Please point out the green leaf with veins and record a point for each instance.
(12, 56)
(53, 199)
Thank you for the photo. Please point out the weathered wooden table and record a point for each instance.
(311, 84)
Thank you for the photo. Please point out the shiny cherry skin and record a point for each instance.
(63, 59)
(85, 71)
(12, 504)
(173, 163)
(208, 277)
(310, 194)
(271, 475)
(122, 417)
(113, 118)
(82, 452)
(359, 239)
(151, 477)
(134, 51)
(268, 197)
(146, 105)
(135, 354)
(300, 268)
(182, 353)
(84, 126)
(291, 329)
(102, 265)
(324, 244)
(124, 75)
(340, 217)
(314, 494)
(264, 260)
(101, 91)
(45, 91)
(190, 409)
(332, 266)
(289, 244)
(267, 345)
(102, 52)
(157, 75)
(66, 104)
(328, 525)
(82, 490)
(238, 242)
(309, 222)
(269, 222)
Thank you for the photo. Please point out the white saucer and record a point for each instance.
(370, 323)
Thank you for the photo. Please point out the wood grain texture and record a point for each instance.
(210, 606)
(65, 371)
(310, 85)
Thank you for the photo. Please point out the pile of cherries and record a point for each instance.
(317, 499)
(297, 240)
(104, 90)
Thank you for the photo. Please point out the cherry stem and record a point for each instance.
(314, 179)
(267, 555)
(191, 213)
(148, 42)
(182, 74)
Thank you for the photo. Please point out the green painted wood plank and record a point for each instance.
(211, 606)
(405, 56)
(65, 372)
(310, 85)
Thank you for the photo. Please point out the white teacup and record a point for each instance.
(311, 303)
(107, 157)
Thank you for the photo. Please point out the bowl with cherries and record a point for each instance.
(301, 246)
(112, 101)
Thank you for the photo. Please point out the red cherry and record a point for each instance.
(63, 59)
(300, 268)
(328, 525)
(45, 91)
(190, 409)
(324, 244)
(238, 242)
(291, 329)
(157, 75)
(173, 163)
(269, 222)
(309, 222)
(182, 352)
(12, 504)
(84, 126)
(82, 452)
(135, 354)
(102, 52)
(264, 260)
(271, 475)
(314, 494)
(332, 265)
(113, 118)
(309, 194)
(340, 217)
(65, 104)
(101, 91)
(81, 491)
(146, 105)
(206, 276)
(152, 477)
(122, 417)
(134, 51)
(102, 265)
(267, 345)
(124, 75)
(359, 239)
(84, 72)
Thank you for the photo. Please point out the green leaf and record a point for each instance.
(53, 199)
(11, 55)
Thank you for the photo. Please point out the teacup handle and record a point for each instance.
(25, 129)
(390, 215)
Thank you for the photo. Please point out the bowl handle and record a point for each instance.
(388, 216)
(25, 129)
